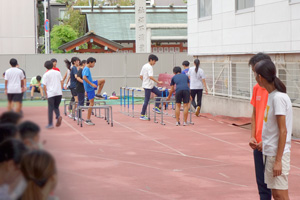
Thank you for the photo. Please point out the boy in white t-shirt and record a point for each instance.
(53, 85)
(277, 130)
(146, 76)
(14, 85)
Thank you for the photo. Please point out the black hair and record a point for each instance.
(10, 117)
(13, 62)
(197, 63)
(3, 73)
(267, 69)
(38, 78)
(48, 64)
(28, 129)
(186, 63)
(152, 57)
(176, 70)
(258, 57)
(74, 59)
(7, 130)
(83, 62)
(53, 60)
(12, 149)
(90, 60)
(68, 64)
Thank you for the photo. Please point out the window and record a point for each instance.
(244, 4)
(204, 8)
(62, 15)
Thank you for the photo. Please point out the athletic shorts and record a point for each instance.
(182, 96)
(96, 83)
(91, 94)
(73, 92)
(278, 182)
(36, 89)
(16, 97)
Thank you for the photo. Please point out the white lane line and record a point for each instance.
(206, 166)
(221, 181)
(87, 139)
(151, 138)
(152, 193)
(224, 175)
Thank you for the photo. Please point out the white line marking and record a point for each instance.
(157, 195)
(224, 175)
(87, 139)
(151, 138)
(227, 182)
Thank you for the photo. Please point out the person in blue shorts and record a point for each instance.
(90, 86)
(182, 94)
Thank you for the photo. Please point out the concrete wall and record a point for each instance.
(17, 27)
(239, 108)
(273, 26)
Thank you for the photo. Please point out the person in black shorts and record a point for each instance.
(182, 94)
(79, 86)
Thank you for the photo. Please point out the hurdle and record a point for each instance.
(108, 113)
(69, 102)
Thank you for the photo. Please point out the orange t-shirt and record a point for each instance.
(259, 101)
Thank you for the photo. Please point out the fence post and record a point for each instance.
(213, 76)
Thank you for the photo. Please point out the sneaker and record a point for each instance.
(157, 110)
(99, 96)
(185, 123)
(31, 98)
(70, 116)
(197, 111)
(43, 98)
(177, 123)
(144, 117)
(89, 122)
(58, 123)
(49, 127)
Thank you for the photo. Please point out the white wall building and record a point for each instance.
(218, 27)
(224, 34)
(18, 27)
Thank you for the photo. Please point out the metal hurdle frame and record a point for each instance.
(73, 104)
(108, 113)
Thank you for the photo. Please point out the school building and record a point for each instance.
(225, 34)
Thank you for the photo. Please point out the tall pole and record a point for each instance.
(46, 33)
(140, 27)
(49, 17)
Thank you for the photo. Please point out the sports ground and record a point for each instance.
(137, 159)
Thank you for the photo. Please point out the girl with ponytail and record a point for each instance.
(197, 80)
(277, 129)
(38, 168)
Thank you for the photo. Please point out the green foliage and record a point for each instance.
(60, 35)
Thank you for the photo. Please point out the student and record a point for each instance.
(197, 79)
(186, 65)
(14, 85)
(75, 61)
(182, 94)
(67, 75)
(54, 61)
(30, 134)
(53, 84)
(79, 86)
(146, 76)
(39, 170)
(11, 153)
(259, 102)
(10, 117)
(89, 86)
(277, 130)
(8, 130)
(36, 86)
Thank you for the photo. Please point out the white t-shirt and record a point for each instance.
(146, 72)
(196, 78)
(278, 104)
(52, 79)
(14, 76)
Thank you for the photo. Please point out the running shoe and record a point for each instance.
(99, 96)
(58, 123)
(157, 110)
(185, 123)
(50, 126)
(70, 116)
(144, 117)
(177, 123)
(89, 122)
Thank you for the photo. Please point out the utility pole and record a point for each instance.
(46, 27)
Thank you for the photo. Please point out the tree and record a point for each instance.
(60, 35)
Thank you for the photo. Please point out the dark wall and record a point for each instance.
(54, 9)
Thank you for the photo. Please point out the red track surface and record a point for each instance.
(142, 160)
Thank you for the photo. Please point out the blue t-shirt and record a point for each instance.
(73, 79)
(185, 71)
(87, 72)
(181, 81)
